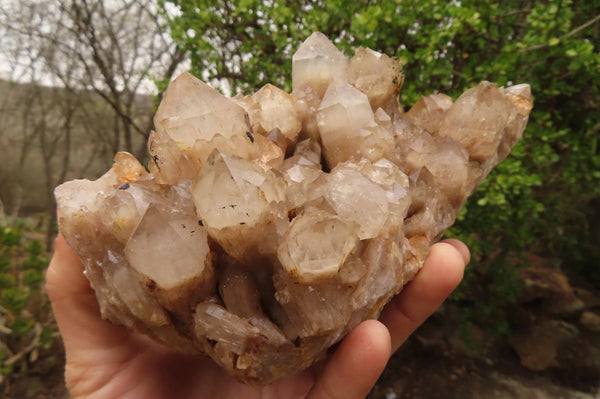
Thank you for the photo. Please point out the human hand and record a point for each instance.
(104, 360)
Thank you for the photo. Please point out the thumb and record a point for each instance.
(356, 364)
(75, 306)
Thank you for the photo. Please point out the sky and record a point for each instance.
(21, 59)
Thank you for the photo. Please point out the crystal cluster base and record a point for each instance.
(268, 226)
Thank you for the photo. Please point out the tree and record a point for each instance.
(114, 48)
(99, 59)
(21, 53)
(543, 197)
(117, 46)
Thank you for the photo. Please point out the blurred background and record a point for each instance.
(80, 79)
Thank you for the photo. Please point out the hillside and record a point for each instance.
(49, 134)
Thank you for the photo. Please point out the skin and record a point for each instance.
(108, 361)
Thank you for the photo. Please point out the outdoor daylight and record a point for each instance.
(324, 199)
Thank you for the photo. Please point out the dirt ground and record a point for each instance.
(45, 380)
(422, 369)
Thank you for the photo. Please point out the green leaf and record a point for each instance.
(14, 299)
(21, 326)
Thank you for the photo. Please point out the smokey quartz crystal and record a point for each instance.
(268, 226)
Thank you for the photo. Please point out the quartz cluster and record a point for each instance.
(270, 225)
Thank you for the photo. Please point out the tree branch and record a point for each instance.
(565, 36)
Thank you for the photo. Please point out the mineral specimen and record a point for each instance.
(268, 226)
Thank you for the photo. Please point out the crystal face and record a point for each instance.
(270, 225)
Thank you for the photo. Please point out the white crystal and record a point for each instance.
(231, 191)
(349, 193)
(377, 75)
(428, 111)
(316, 245)
(477, 120)
(316, 62)
(238, 201)
(271, 108)
(347, 126)
(192, 110)
(159, 235)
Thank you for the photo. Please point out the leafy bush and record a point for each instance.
(25, 317)
(10, 237)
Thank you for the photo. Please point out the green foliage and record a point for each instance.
(21, 326)
(35, 262)
(24, 307)
(7, 281)
(249, 43)
(539, 199)
(4, 263)
(35, 248)
(32, 278)
(46, 337)
(14, 299)
(6, 370)
(10, 237)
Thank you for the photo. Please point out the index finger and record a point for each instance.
(441, 273)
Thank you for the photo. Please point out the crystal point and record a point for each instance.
(159, 234)
(192, 110)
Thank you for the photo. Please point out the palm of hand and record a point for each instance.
(109, 361)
